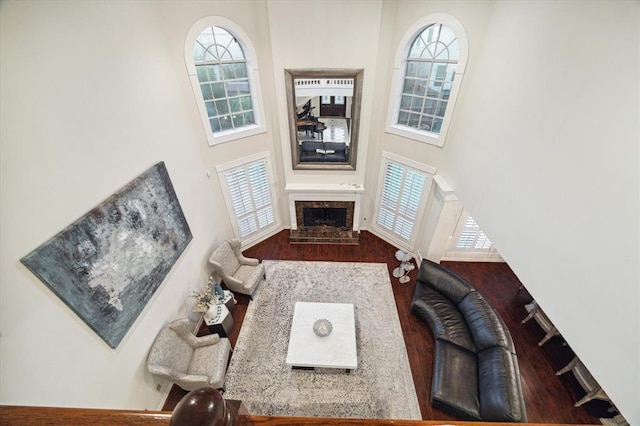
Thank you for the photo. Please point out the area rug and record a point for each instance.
(381, 386)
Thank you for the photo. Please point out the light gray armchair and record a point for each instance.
(240, 274)
(188, 361)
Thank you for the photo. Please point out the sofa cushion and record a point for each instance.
(451, 285)
(499, 387)
(486, 327)
(442, 316)
(454, 387)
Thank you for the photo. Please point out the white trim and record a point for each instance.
(252, 73)
(397, 79)
(325, 192)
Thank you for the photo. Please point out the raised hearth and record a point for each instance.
(324, 222)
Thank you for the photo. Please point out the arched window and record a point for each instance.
(429, 69)
(224, 79)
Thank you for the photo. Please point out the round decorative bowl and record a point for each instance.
(322, 327)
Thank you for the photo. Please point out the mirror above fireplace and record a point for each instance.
(323, 106)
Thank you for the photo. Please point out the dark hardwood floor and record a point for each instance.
(549, 398)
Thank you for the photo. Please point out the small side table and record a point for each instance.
(219, 320)
(229, 301)
(401, 272)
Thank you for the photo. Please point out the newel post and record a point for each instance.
(205, 407)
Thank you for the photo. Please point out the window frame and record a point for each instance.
(222, 170)
(429, 171)
(466, 224)
(252, 72)
(398, 76)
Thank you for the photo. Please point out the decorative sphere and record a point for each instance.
(201, 407)
(322, 327)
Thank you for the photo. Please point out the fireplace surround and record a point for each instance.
(346, 197)
(324, 222)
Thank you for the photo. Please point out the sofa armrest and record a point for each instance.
(208, 340)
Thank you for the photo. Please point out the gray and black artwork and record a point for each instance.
(107, 265)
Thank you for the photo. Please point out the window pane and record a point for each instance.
(228, 71)
(403, 118)
(437, 125)
(249, 118)
(426, 123)
(446, 36)
(238, 87)
(326, 100)
(240, 70)
(222, 107)
(218, 90)
(429, 107)
(412, 69)
(414, 119)
(405, 102)
(211, 109)
(446, 91)
(238, 120)
(451, 72)
(235, 51)
(424, 69)
(203, 74)
(215, 73)
(236, 106)
(339, 100)
(416, 104)
(207, 94)
(226, 123)
(442, 106)
(245, 102)
(198, 52)
(215, 124)
(409, 85)
(417, 48)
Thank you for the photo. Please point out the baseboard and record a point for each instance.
(165, 395)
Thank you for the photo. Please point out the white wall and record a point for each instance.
(324, 34)
(544, 153)
(89, 100)
(542, 150)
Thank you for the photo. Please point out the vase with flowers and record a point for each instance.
(208, 297)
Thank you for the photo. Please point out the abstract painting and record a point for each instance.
(107, 264)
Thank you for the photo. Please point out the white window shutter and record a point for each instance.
(250, 197)
(400, 198)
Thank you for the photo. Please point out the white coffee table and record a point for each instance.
(337, 350)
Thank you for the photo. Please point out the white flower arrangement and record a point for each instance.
(206, 298)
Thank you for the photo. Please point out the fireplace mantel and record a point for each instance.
(324, 192)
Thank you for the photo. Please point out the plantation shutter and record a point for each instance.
(402, 189)
(472, 237)
(250, 194)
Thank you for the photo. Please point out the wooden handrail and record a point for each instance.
(26, 415)
(29, 415)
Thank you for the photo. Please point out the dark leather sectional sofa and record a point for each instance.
(476, 374)
(308, 152)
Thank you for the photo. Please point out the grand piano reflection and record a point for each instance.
(312, 150)
(308, 123)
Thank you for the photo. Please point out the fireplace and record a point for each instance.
(324, 216)
(324, 222)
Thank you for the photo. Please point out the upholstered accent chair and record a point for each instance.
(239, 273)
(188, 361)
